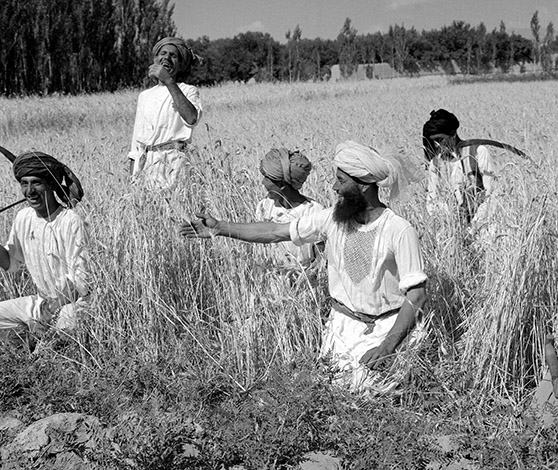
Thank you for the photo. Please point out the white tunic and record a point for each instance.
(54, 252)
(449, 176)
(53, 249)
(370, 268)
(158, 122)
(287, 253)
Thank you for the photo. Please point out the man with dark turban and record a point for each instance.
(455, 167)
(375, 268)
(284, 172)
(166, 116)
(49, 238)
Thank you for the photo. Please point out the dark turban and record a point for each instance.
(283, 165)
(440, 122)
(64, 182)
(186, 54)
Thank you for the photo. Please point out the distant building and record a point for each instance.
(385, 70)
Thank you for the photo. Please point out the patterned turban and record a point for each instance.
(186, 54)
(65, 183)
(283, 165)
(367, 165)
(440, 122)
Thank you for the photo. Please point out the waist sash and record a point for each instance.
(172, 145)
(370, 320)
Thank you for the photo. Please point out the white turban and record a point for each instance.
(367, 165)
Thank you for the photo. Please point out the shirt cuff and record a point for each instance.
(411, 280)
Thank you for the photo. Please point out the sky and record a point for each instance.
(324, 18)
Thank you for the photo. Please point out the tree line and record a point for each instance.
(67, 46)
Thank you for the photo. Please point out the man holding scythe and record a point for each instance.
(463, 168)
(49, 238)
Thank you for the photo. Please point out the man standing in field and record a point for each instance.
(49, 238)
(459, 168)
(375, 266)
(166, 116)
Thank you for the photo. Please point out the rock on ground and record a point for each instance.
(60, 441)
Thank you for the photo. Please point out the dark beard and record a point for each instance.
(352, 204)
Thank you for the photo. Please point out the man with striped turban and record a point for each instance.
(375, 267)
(165, 117)
(284, 172)
(49, 238)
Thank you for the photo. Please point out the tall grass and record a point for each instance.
(215, 309)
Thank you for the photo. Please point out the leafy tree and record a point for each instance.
(346, 43)
(535, 29)
(546, 49)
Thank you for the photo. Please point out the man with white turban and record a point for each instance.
(284, 172)
(165, 117)
(49, 238)
(375, 267)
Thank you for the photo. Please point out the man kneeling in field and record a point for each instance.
(49, 238)
(375, 267)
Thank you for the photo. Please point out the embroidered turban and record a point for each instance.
(283, 165)
(367, 165)
(440, 122)
(186, 54)
(65, 183)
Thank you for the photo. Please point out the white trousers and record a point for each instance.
(23, 313)
(160, 169)
(344, 342)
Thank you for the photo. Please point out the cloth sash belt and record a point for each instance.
(173, 144)
(370, 320)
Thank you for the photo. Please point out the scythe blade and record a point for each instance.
(9, 155)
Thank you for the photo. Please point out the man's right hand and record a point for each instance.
(205, 227)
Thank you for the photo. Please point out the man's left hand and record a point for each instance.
(377, 358)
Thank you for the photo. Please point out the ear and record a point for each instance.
(364, 187)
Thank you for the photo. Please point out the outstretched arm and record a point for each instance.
(257, 232)
(404, 324)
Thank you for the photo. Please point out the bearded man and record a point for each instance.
(166, 116)
(375, 267)
(49, 238)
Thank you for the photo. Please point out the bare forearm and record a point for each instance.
(406, 318)
(259, 232)
(185, 108)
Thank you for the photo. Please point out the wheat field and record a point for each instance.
(213, 310)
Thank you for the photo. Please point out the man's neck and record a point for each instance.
(293, 199)
(49, 211)
(372, 212)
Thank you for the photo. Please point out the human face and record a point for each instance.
(39, 195)
(444, 145)
(170, 59)
(274, 190)
(343, 183)
(351, 199)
